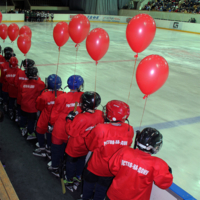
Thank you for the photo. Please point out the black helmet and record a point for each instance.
(149, 140)
(32, 72)
(0, 49)
(90, 100)
(8, 55)
(8, 49)
(27, 63)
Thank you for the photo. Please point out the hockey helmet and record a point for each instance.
(13, 62)
(117, 111)
(32, 72)
(74, 82)
(149, 140)
(8, 49)
(54, 82)
(27, 63)
(8, 55)
(90, 100)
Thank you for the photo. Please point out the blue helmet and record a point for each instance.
(74, 82)
(53, 81)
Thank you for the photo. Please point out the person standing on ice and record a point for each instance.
(64, 104)
(104, 140)
(44, 104)
(135, 170)
(78, 127)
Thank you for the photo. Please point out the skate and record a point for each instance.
(16, 116)
(37, 145)
(39, 152)
(54, 170)
(5, 107)
(31, 136)
(69, 184)
(1, 101)
(11, 114)
(77, 181)
(23, 131)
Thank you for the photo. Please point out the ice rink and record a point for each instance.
(174, 109)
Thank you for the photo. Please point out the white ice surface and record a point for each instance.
(178, 99)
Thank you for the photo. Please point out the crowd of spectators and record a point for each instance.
(187, 6)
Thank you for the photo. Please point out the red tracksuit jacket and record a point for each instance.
(10, 77)
(4, 68)
(45, 103)
(29, 91)
(2, 59)
(104, 140)
(19, 78)
(135, 172)
(63, 105)
(78, 129)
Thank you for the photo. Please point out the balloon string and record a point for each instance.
(95, 77)
(143, 110)
(12, 48)
(58, 61)
(76, 46)
(136, 56)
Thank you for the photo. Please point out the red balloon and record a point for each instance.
(24, 43)
(1, 17)
(3, 31)
(79, 28)
(13, 32)
(140, 32)
(25, 30)
(61, 33)
(151, 74)
(97, 43)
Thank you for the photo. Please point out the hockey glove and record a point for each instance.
(71, 115)
(50, 128)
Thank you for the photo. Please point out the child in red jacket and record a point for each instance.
(19, 78)
(135, 170)
(29, 91)
(44, 104)
(78, 127)
(12, 89)
(105, 140)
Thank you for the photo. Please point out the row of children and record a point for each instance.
(94, 144)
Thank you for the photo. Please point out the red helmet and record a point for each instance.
(117, 111)
(13, 62)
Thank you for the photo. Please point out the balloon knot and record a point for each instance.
(77, 46)
(136, 55)
(24, 54)
(145, 96)
(96, 62)
(58, 48)
(4, 41)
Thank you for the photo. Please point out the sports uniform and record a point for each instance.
(135, 170)
(29, 91)
(78, 129)
(12, 89)
(45, 103)
(104, 140)
(19, 78)
(52, 16)
(4, 67)
(64, 104)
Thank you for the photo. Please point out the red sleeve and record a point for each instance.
(57, 108)
(77, 126)
(162, 177)
(130, 140)
(116, 160)
(40, 102)
(94, 139)
(16, 79)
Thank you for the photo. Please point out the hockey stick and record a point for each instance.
(63, 163)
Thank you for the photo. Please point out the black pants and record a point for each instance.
(41, 139)
(107, 198)
(5, 97)
(11, 104)
(100, 184)
(57, 153)
(1, 91)
(74, 166)
(28, 118)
